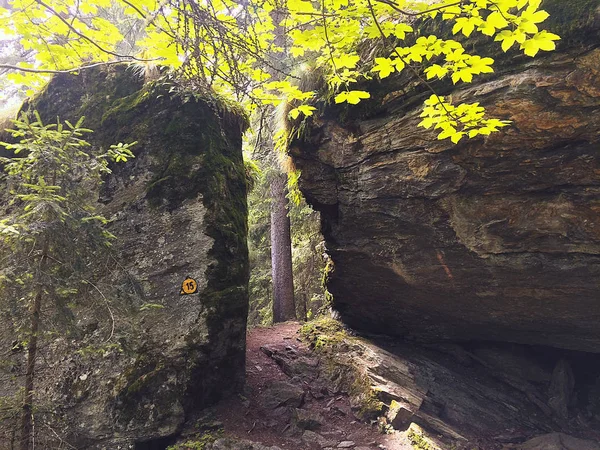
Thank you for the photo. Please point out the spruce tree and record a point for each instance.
(51, 229)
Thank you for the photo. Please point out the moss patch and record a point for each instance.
(137, 385)
(572, 20)
(138, 377)
(324, 334)
(330, 339)
(418, 440)
(199, 442)
(89, 93)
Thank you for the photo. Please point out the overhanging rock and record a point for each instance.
(497, 238)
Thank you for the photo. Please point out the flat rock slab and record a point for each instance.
(307, 420)
(282, 393)
(312, 439)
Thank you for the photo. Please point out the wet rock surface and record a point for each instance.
(283, 393)
(496, 238)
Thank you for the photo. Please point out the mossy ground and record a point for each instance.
(200, 442)
(330, 339)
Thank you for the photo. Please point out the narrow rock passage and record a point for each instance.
(294, 411)
(295, 399)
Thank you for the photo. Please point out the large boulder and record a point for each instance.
(138, 357)
(496, 238)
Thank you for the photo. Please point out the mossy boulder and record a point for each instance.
(178, 210)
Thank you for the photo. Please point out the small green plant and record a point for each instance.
(198, 443)
(51, 231)
(147, 306)
(252, 171)
(103, 350)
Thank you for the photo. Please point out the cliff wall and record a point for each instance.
(496, 238)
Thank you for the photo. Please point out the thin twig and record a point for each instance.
(419, 13)
(112, 331)
(326, 34)
(77, 69)
(80, 34)
(135, 8)
(62, 441)
(83, 36)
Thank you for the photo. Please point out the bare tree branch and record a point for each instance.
(76, 69)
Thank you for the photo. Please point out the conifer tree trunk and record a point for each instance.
(27, 410)
(284, 307)
(303, 307)
(281, 252)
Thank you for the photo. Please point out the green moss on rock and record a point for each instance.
(418, 440)
(572, 20)
(89, 93)
(330, 339)
(324, 334)
(189, 148)
(200, 442)
(137, 377)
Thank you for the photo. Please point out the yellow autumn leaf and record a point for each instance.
(352, 97)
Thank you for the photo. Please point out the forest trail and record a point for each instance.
(294, 412)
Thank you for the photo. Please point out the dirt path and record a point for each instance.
(294, 412)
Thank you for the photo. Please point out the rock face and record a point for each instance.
(556, 441)
(497, 238)
(148, 356)
(471, 396)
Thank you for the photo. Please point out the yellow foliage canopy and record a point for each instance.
(252, 49)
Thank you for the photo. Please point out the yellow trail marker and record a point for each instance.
(189, 286)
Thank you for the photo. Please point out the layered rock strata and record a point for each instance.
(496, 238)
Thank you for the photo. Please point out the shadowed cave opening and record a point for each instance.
(577, 383)
(586, 369)
(161, 443)
(584, 366)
